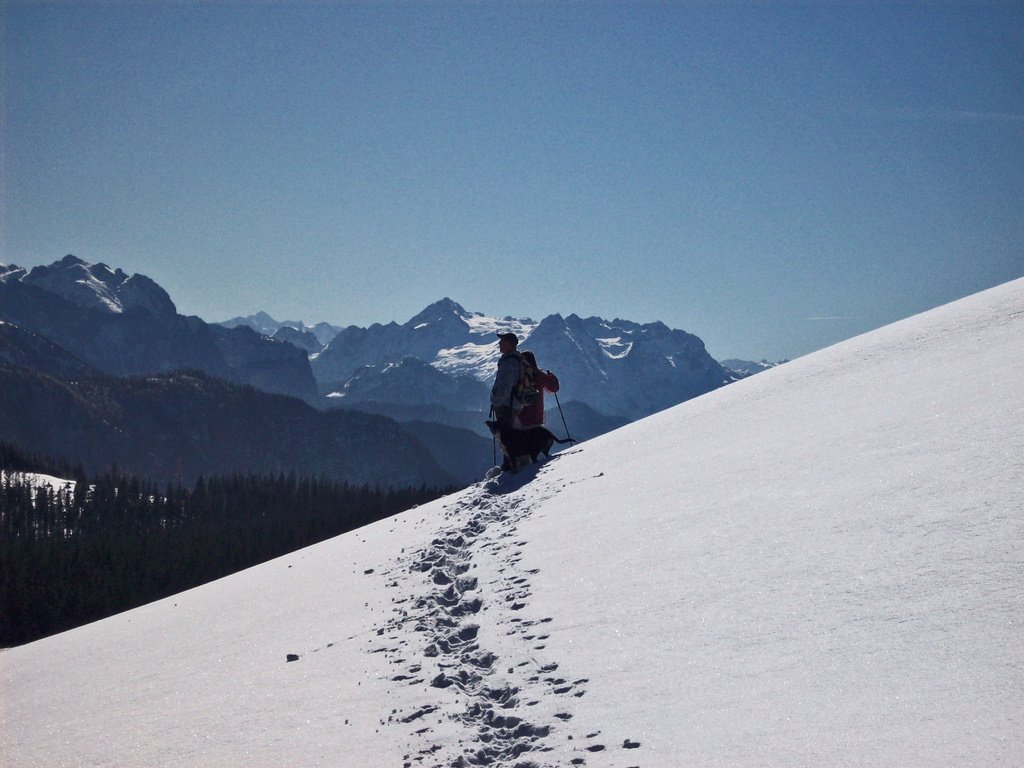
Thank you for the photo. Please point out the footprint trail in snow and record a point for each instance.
(507, 708)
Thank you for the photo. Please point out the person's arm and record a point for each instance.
(549, 381)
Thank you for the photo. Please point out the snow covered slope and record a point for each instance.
(838, 582)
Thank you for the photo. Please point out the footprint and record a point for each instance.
(467, 607)
(419, 713)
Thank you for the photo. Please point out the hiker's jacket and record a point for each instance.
(510, 370)
(532, 415)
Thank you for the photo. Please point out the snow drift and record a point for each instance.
(821, 565)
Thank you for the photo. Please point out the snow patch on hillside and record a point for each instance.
(615, 348)
(37, 480)
(480, 359)
(481, 325)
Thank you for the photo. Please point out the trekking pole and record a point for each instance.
(494, 443)
(571, 441)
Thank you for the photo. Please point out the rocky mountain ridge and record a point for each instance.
(72, 319)
(617, 367)
(125, 325)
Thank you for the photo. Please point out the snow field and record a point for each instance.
(818, 566)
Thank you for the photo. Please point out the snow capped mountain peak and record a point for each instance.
(260, 322)
(618, 368)
(97, 286)
(836, 583)
(12, 272)
(264, 321)
(443, 311)
(84, 284)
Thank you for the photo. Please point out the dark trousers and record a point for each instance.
(504, 418)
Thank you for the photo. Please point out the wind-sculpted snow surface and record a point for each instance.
(821, 565)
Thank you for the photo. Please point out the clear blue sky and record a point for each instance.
(773, 178)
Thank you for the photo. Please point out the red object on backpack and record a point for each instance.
(532, 415)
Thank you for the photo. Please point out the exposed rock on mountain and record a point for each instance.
(412, 382)
(304, 340)
(127, 325)
(267, 364)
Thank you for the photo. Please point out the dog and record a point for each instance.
(518, 445)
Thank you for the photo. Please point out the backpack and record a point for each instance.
(526, 389)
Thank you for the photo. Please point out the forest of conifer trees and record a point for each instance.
(101, 545)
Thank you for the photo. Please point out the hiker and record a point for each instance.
(517, 406)
(506, 399)
(504, 403)
(533, 414)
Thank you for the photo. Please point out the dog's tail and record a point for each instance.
(560, 441)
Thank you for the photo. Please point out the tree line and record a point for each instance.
(104, 544)
(15, 459)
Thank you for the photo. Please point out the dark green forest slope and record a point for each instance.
(108, 543)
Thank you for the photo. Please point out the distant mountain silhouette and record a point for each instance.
(178, 426)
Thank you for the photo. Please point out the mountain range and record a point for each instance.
(446, 356)
(837, 582)
(73, 320)
(315, 336)
(97, 367)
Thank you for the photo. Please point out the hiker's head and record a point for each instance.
(507, 342)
